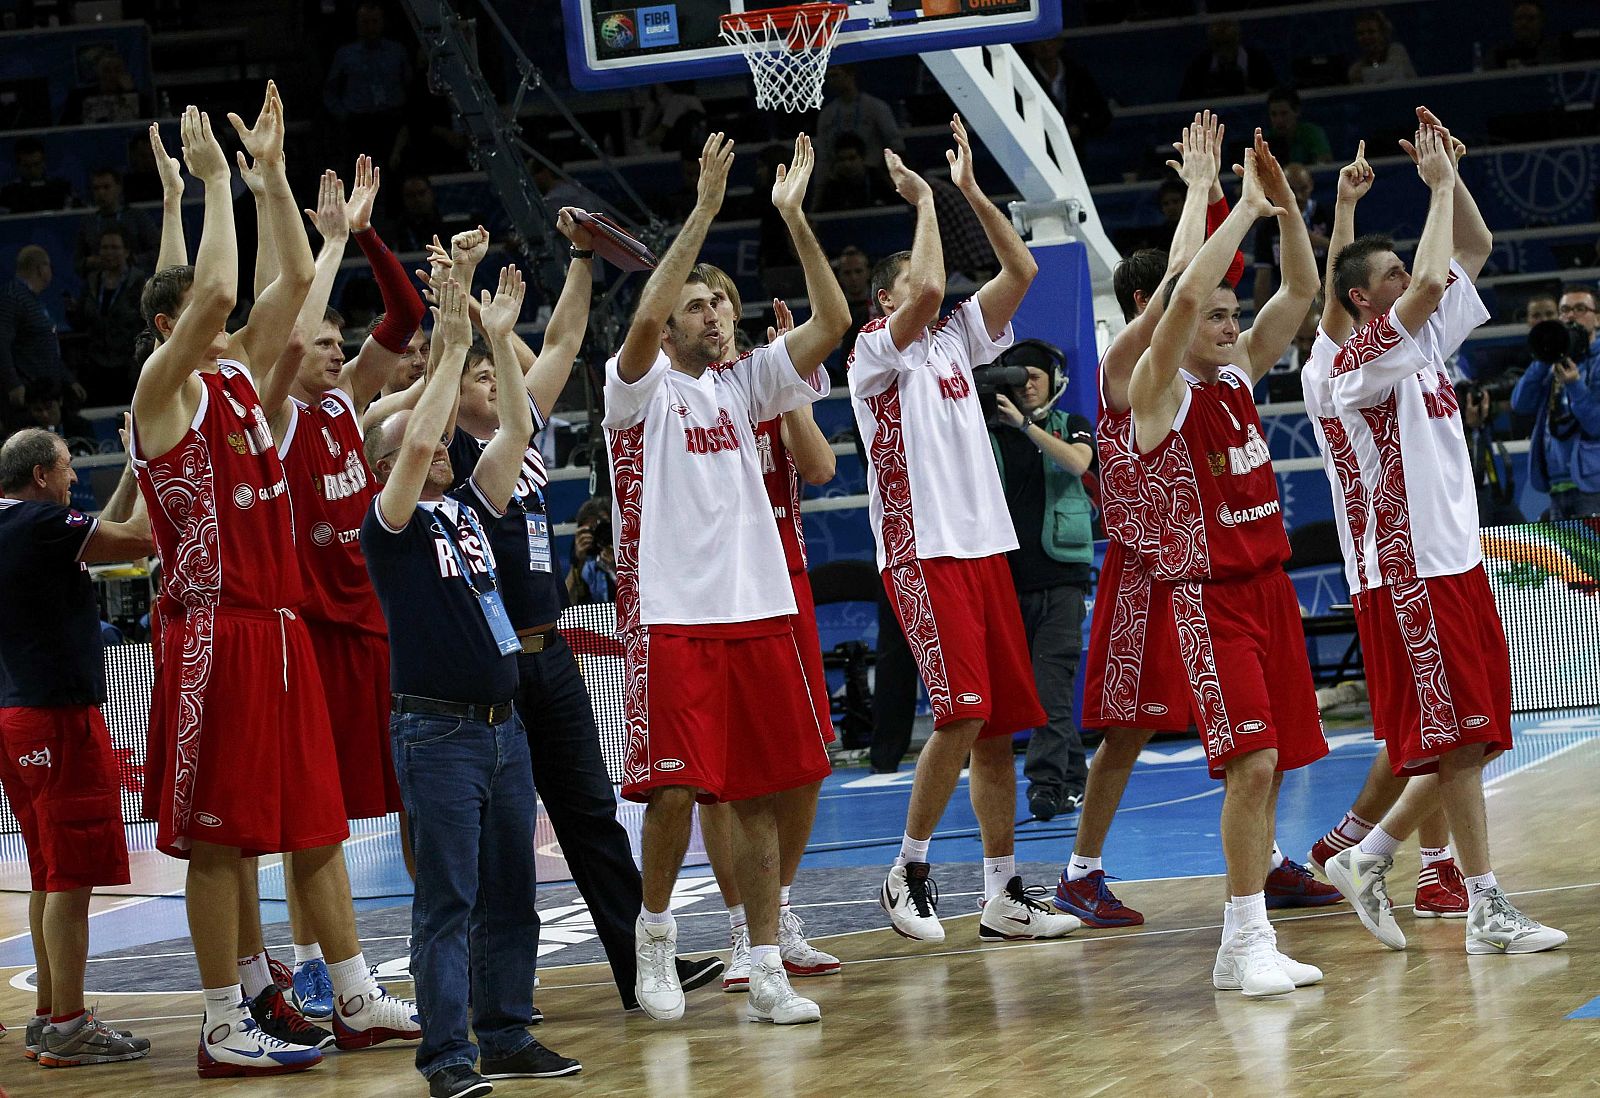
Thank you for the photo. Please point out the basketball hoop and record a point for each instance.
(787, 49)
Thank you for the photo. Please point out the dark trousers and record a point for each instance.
(894, 692)
(1574, 504)
(571, 777)
(1053, 620)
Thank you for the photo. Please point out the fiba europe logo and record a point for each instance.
(616, 31)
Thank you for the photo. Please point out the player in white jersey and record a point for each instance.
(717, 702)
(942, 527)
(1437, 663)
(1440, 891)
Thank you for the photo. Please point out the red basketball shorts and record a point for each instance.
(810, 644)
(1438, 671)
(354, 666)
(961, 619)
(724, 709)
(249, 752)
(1243, 647)
(60, 775)
(1133, 677)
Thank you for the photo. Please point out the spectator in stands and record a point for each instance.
(1382, 60)
(1226, 66)
(674, 119)
(1290, 137)
(34, 190)
(852, 182)
(106, 316)
(420, 217)
(1564, 399)
(592, 576)
(28, 346)
(854, 271)
(559, 191)
(44, 409)
(431, 137)
(1529, 44)
(366, 86)
(1070, 87)
(1169, 200)
(851, 110)
(114, 97)
(138, 228)
(1319, 223)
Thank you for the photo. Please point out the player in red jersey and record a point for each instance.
(239, 755)
(1221, 543)
(791, 447)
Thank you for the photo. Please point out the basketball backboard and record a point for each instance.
(613, 44)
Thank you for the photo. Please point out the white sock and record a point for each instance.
(1379, 842)
(302, 954)
(255, 974)
(913, 850)
(1277, 856)
(352, 977)
(1250, 911)
(996, 872)
(783, 895)
(761, 953)
(1080, 867)
(659, 918)
(1433, 855)
(224, 1005)
(1477, 887)
(1353, 827)
(736, 919)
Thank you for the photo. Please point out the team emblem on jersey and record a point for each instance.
(1218, 462)
(670, 765)
(244, 497)
(322, 533)
(327, 438)
(956, 386)
(206, 819)
(236, 440)
(77, 518)
(970, 699)
(1475, 721)
(681, 409)
(238, 409)
(1155, 709)
(1247, 727)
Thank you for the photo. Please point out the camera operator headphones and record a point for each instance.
(1036, 354)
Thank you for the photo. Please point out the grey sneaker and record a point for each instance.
(1361, 878)
(33, 1036)
(1495, 926)
(93, 1042)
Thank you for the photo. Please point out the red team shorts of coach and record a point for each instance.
(247, 742)
(962, 622)
(809, 642)
(355, 664)
(725, 709)
(1438, 670)
(60, 775)
(1244, 648)
(1133, 678)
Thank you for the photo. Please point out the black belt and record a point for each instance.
(433, 707)
(535, 641)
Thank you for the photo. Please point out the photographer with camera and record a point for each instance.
(1561, 390)
(1042, 453)
(592, 576)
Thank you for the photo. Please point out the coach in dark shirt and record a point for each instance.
(57, 767)
(460, 754)
(1042, 454)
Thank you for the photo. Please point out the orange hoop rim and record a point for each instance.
(785, 18)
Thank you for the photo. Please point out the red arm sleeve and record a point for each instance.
(1216, 214)
(402, 305)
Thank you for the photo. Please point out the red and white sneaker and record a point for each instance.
(800, 957)
(1326, 847)
(1292, 885)
(362, 1021)
(1441, 893)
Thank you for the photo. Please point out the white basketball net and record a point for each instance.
(788, 63)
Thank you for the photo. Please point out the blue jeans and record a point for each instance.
(468, 792)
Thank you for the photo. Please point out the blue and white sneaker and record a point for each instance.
(229, 1050)
(313, 990)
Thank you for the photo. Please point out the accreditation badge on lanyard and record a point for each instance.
(538, 533)
(488, 595)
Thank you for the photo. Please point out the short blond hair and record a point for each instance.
(715, 277)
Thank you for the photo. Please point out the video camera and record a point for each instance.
(1554, 340)
(1008, 374)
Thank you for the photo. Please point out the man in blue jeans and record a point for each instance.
(460, 753)
(1564, 399)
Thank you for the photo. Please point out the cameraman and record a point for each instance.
(1042, 453)
(592, 576)
(1562, 393)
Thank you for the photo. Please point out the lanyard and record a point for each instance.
(460, 558)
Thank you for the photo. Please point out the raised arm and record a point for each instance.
(924, 271)
(123, 532)
(660, 294)
(813, 456)
(546, 375)
(1355, 180)
(1471, 239)
(274, 383)
(497, 470)
(1001, 296)
(166, 396)
(384, 407)
(1430, 268)
(266, 266)
(452, 331)
(1280, 318)
(818, 337)
(363, 376)
(173, 252)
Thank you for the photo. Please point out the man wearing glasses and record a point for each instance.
(1564, 399)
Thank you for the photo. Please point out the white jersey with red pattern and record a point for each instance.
(1210, 481)
(219, 504)
(695, 540)
(932, 485)
(1123, 507)
(781, 478)
(1387, 418)
(332, 489)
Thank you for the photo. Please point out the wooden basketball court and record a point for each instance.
(1102, 1013)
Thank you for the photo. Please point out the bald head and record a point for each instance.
(1300, 182)
(382, 440)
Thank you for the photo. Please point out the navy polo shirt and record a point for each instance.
(440, 645)
(51, 650)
